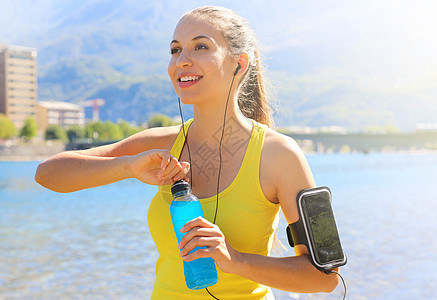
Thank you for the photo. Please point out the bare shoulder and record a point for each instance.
(284, 171)
(280, 149)
(284, 158)
(148, 139)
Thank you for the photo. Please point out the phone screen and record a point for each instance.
(322, 228)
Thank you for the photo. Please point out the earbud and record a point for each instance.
(237, 69)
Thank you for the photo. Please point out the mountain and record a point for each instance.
(351, 64)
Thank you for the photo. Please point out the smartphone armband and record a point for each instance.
(316, 229)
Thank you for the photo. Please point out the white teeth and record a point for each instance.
(188, 78)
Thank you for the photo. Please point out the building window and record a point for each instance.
(22, 81)
(24, 56)
(18, 98)
(22, 66)
(21, 89)
(22, 73)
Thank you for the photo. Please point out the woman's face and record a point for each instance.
(200, 68)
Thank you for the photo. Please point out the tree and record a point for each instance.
(29, 129)
(379, 129)
(112, 131)
(160, 120)
(7, 128)
(94, 130)
(75, 132)
(103, 131)
(55, 132)
(127, 129)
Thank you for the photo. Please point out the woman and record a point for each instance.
(215, 67)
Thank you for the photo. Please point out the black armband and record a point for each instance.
(316, 229)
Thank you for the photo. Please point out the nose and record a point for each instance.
(183, 60)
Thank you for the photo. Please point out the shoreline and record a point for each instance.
(30, 151)
(408, 143)
(40, 158)
(17, 158)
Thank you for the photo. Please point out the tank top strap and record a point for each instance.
(180, 140)
(259, 133)
(253, 159)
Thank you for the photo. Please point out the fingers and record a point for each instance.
(168, 163)
(171, 168)
(200, 233)
(208, 241)
(208, 250)
(183, 172)
(197, 222)
(195, 234)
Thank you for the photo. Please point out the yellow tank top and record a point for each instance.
(245, 216)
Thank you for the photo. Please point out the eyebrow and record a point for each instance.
(195, 39)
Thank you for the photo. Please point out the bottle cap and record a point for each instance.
(179, 186)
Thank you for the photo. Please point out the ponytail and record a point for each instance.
(252, 96)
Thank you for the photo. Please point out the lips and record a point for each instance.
(188, 80)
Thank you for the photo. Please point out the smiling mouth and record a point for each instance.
(189, 78)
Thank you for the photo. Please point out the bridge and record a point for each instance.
(327, 142)
(330, 142)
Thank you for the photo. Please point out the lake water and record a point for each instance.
(95, 244)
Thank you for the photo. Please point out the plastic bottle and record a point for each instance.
(199, 273)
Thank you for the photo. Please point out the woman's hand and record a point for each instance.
(157, 167)
(200, 233)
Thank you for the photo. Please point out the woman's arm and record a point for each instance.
(134, 157)
(288, 173)
(294, 274)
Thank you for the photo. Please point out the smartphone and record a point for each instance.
(317, 224)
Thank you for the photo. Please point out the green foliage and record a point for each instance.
(127, 129)
(103, 131)
(29, 129)
(55, 132)
(94, 130)
(378, 129)
(75, 132)
(111, 131)
(7, 128)
(160, 120)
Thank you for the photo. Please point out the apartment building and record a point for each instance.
(18, 83)
(59, 113)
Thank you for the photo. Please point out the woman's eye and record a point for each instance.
(174, 50)
(201, 46)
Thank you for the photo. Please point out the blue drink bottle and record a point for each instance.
(199, 273)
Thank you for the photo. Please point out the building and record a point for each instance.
(18, 83)
(59, 113)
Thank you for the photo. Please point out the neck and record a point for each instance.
(208, 121)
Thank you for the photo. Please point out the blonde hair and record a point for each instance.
(252, 97)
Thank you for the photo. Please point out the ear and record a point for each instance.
(243, 60)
